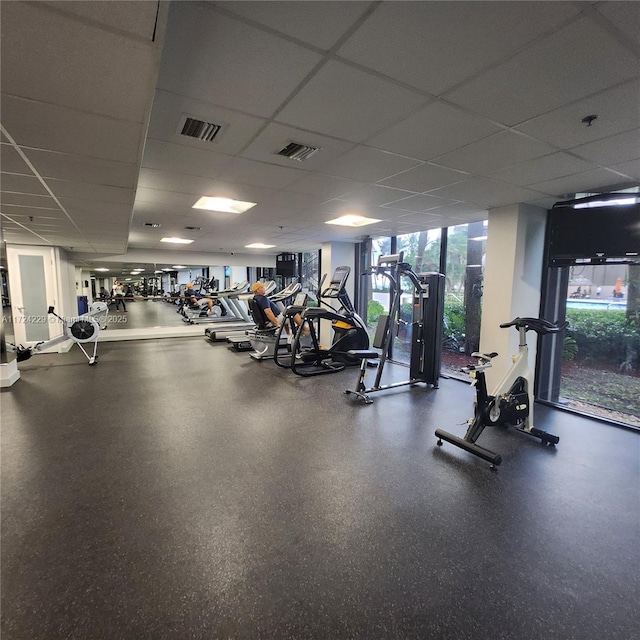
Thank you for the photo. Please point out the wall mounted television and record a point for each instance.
(596, 230)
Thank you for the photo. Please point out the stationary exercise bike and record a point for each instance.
(81, 330)
(511, 404)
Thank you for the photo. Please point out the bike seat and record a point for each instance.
(538, 325)
(486, 357)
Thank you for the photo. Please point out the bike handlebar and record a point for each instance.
(538, 325)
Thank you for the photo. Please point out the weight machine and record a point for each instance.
(426, 327)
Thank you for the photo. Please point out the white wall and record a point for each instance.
(338, 254)
(512, 281)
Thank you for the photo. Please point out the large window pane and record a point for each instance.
(601, 355)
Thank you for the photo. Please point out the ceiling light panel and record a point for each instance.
(225, 205)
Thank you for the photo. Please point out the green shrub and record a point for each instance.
(569, 348)
(454, 319)
(604, 337)
(374, 310)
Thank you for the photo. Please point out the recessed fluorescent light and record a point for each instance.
(179, 266)
(158, 272)
(226, 205)
(259, 245)
(101, 269)
(353, 220)
(176, 240)
(479, 238)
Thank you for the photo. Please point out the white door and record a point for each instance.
(33, 291)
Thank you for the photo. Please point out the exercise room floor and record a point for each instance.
(182, 490)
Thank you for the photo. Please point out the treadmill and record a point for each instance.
(226, 299)
(238, 325)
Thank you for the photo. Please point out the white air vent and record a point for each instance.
(298, 152)
(155, 225)
(193, 228)
(199, 129)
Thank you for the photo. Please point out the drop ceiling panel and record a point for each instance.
(239, 66)
(168, 109)
(86, 191)
(541, 169)
(624, 15)
(11, 161)
(72, 59)
(24, 212)
(34, 124)
(618, 110)
(549, 74)
(276, 136)
(323, 186)
(487, 193)
(319, 24)
(176, 158)
(436, 45)
(134, 18)
(28, 200)
(166, 198)
(563, 188)
(373, 194)
(64, 166)
(621, 148)
(424, 178)
(361, 104)
(367, 164)
(260, 174)
(495, 152)
(630, 169)
(21, 183)
(420, 219)
(432, 131)
(419, 203)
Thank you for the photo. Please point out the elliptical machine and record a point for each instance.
(511, 404)
(307, 357)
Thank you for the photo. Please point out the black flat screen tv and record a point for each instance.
(594, 233)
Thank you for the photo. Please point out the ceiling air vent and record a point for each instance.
(205, 131)
(297, 151)
(155, 225)
(193, 228)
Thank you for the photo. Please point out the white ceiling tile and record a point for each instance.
(361, 104)
(55, 128)
(320, 24)
(541, 169)
(624, 15)
(620, 148)
(76, 63)
(432, 131)
(549, 74)
(424, 178)
(373, 194)
(487, 193)
(276, 136)
(11, 161)
(495, 152)
(136, 18)
(618, 109)
(567, 186)
(43, 201)
(420, 202)
(260, 174)
(630, 169)
(436, 45)
(176, 158)
(87, 191)
(21, 183)
(238, 66)
(368, 165)
(324, 186)
(167, 115)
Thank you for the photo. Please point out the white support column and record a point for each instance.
(512, 281)
(338, 254)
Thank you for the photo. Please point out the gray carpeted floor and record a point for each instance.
(182, 490)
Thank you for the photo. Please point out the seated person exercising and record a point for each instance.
(271, 309)
(196, 299)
